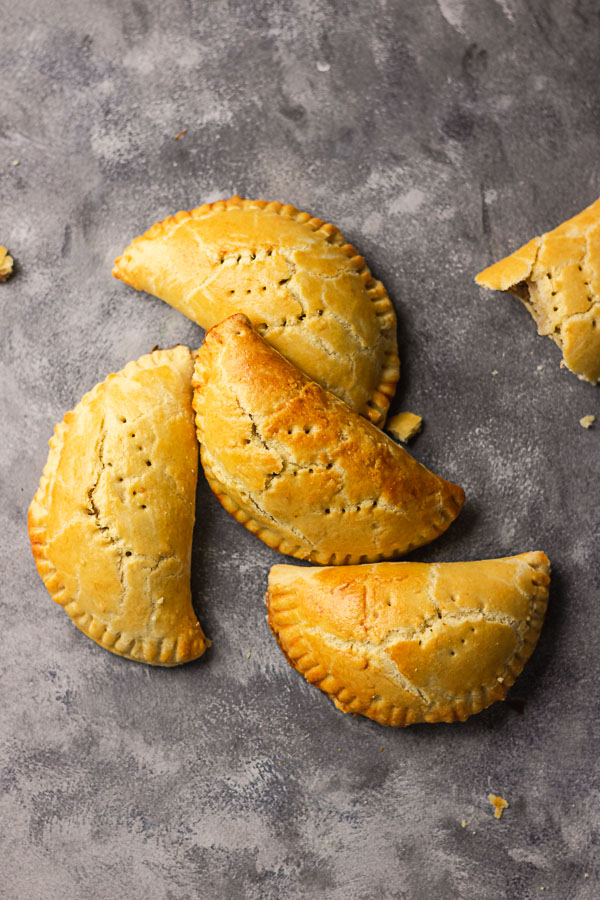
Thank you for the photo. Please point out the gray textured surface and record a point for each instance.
(438, 136)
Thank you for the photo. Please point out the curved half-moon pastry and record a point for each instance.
(298, 467)
(557, 276)
(111, 523)
(305, 289)
(410, 642)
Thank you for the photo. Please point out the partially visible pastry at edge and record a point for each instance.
(111, 523)
(306, 290)
(557, 276)
(298, 467)
(409, 642)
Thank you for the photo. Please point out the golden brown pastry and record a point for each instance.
(305, 289)
(557, 276)
(410, 642)
(111, 523)
(300, 469)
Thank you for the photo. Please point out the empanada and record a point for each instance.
(410, 642)
(298, 467)
(304, 288)
(111, 523)
(557, 276)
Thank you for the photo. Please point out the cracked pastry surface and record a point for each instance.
(411, 642)
(111, 523)
(307, 291)
(298, 467)
(557, 276)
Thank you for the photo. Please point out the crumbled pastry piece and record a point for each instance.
(6, 264)
(587, 421)
(180, 134)
(111, 523)
(499, 804)
(306, 290)
(557, 276)
(411, 642)
(298, 467)
(404, 426)
(463, 824)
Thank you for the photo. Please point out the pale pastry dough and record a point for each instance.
(557, 276)
(301, 470)
(410, 642)
(111, 523)
(306, 290)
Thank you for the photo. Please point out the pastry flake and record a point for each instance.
(111, 523)
(499, 804)
(301, 470)
(557, 276)
(6, 264)
(404, 426)
(411, 642)
(307, 291)
(587, 421)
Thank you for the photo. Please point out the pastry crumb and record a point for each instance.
(323, 66)
(540, 368)
(495, 372)
(499, 804)
(248, 655)
(180, 135)
(463, 824)
(587, 421)
(16, 162)
(586, 874)
(6, 264)
(381, 749)
(404, 426)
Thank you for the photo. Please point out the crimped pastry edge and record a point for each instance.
(164, 652)
(457, 709)
(376, 408)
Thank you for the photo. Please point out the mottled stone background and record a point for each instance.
(438, 136)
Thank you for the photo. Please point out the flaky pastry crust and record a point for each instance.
(557, 276)
(301, 470)
(409, 642)
(111, 523)
(307, 291)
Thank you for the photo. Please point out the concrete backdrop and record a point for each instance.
(438, 136)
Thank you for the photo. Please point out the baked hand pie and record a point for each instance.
(557, 276)
(409, 642)
(111, 523)
(298, 467)
(304, 288)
